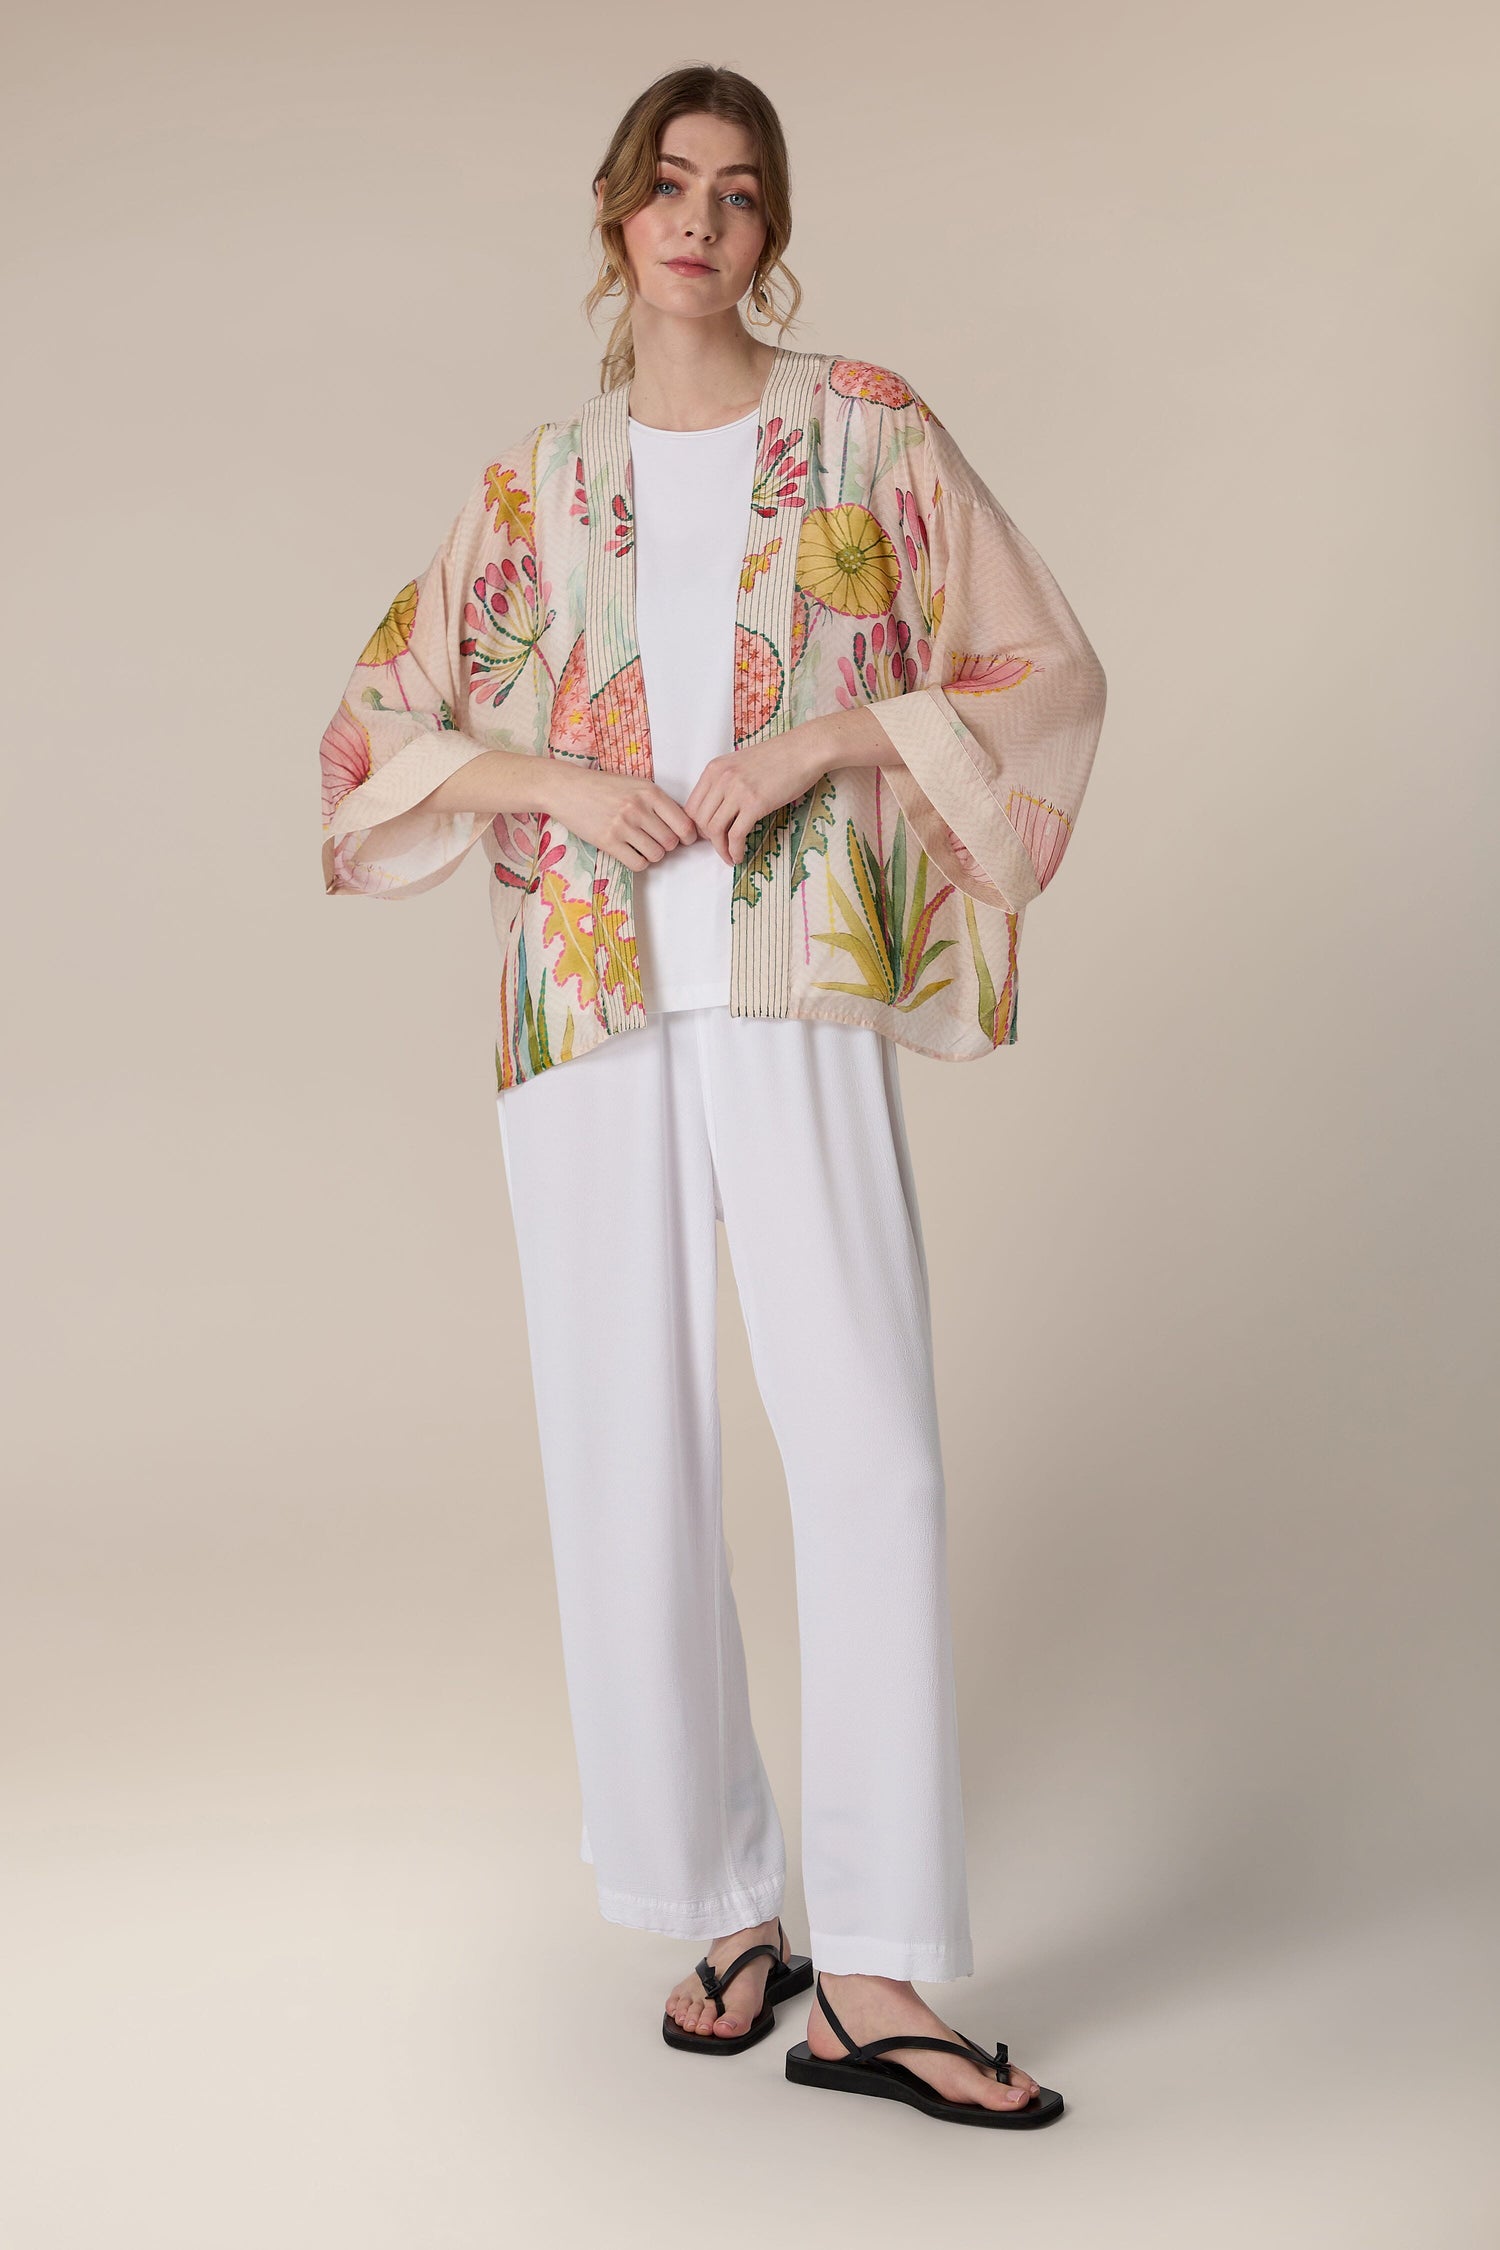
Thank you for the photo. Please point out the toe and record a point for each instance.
(996, 2094)
(987, 2093)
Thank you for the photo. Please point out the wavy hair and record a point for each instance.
(628, 175)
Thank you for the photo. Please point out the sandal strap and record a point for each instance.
(998, 2061)
(968, 2050)
(714, 1980)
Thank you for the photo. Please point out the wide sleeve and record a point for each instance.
(400, 729)
(999, 740)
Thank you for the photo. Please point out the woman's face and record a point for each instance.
(693, 246)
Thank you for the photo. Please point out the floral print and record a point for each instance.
(570, 729)
(509, 503)
(856, 378)
(780, 473)
(506, 618)
(879, 572)
(845, 560)
(393, 633)
(757, 683)
(345, 758)
(620, 714)
(888, 927)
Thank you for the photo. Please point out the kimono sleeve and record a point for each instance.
(999, 742)
(400, 729)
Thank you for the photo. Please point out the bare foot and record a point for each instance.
(878, 2008)
(689, 2007)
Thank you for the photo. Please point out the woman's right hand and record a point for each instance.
(632, 819)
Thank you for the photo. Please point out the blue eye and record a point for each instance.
(742, 195)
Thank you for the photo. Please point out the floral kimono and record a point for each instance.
(878, 569)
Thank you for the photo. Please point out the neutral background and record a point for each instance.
(299, 1947)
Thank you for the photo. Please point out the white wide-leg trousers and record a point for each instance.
(620, 1163)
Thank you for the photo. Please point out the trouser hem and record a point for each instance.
(696, 1918)
(891, 1957)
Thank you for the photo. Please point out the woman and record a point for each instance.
(772, 723)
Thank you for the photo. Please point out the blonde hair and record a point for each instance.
(628, 174)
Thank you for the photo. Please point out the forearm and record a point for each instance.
(508, 781)
(840, 738)
(502, 781)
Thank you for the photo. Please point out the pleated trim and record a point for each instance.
(761, 932)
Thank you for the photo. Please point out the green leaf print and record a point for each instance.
(798, 827)
(888, 932)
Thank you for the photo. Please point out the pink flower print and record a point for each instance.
(571, 731)
(344, 758)
(621, 724)
(505, 619)
(1043, 829)
(622, 538)
(879, 663)
(757, 683)
(527, 850)
(779, 474)
(986, 675)
(913, 530)
(858, 378)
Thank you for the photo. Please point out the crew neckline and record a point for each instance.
(714, 429)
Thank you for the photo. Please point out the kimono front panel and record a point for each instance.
(878, 569)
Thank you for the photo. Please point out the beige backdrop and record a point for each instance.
(300, 1948)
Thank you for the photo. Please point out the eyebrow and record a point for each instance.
(723, 172)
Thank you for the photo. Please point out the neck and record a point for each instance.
(695, 374)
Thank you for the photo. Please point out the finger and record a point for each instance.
(651, 834)
(704, 805)
(676, 818)
(661, 816)
(709, 787)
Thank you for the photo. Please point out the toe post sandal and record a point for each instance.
(783, 1980)
(868, 2069)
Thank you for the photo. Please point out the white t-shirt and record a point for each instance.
(692, 525)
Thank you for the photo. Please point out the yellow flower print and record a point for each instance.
(391, 636)
(756, 563)
(845, 561)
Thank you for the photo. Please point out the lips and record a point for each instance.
(688, 265)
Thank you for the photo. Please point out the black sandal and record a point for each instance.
(784, 1978)
(865, 2070)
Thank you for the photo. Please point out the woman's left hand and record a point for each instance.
(732, 793)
